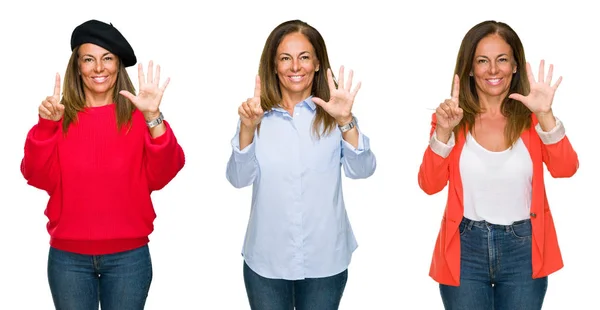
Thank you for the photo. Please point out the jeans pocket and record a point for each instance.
(462, 227)
(521, 230)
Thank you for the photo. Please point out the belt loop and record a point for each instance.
(470, 225)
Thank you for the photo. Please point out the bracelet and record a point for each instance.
(348, 126)
(155, 122)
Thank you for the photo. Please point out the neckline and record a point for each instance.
(472, 139)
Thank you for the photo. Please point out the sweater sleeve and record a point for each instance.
(40, 165)
(434, 169)
(164, 158)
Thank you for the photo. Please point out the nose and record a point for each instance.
(493, 67)
(295, 65)
(99, 66)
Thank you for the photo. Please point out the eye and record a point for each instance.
(285, 58)
(108, 58)
(305, 57)
(503, 59)
(481, 61)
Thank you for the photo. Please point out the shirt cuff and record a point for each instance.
(440, 148)
(363, 144)
(554, 135)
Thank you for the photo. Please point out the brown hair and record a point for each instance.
(518, 115)
(323, 123)
(74, 97)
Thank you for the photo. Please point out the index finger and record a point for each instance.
(257, 86)
(57, 85)
(456, 88)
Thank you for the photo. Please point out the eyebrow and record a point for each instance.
(503, 54)
(304, 52)
(90, 55)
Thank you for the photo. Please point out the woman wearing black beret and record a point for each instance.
(99, 152)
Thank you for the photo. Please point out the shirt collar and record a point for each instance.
(307, 102)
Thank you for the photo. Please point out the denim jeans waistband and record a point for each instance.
(487, 225)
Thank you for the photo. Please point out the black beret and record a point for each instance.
(106, 36)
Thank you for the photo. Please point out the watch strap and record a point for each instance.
(155, 122)
(348, 126)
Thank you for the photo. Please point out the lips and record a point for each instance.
(494, 82)
(296, 78)
(100, 79)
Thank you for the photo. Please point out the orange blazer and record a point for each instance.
(435, 172)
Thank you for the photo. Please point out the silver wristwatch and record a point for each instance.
(348, 126)
(155, 122)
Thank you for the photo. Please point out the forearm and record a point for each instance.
(246, 136)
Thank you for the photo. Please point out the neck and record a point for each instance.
(289, 100)
(491, 105)
(98, 100)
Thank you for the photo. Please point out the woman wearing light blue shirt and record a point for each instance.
(292, 137)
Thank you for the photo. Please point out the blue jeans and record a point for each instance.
(115, 281)
(308, 294)
(495, 269)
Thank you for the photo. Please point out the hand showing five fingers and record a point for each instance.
(341, 98)
(51, 108)
(250, 111)
(150, 94)
(541, 94)
(449, 114)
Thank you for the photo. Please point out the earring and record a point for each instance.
(317, 70)
(470, 73)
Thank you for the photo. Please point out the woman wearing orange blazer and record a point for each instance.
(497, 242)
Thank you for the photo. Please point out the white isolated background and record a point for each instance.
(404, 54)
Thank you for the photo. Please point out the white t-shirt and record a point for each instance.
(496, 185)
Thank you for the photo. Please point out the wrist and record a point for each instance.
(152, 121)
(343, 121)
(442, 134)
(544, 116)
(247, 129)
(151, 115)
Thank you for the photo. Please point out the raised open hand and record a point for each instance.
(150, 94)
(51, 108)
(449, 114)
(250, 111)
(541, 93)
(341, 98)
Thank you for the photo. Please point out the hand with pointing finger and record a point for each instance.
(51, 108)
(250, 111)
(449, 114)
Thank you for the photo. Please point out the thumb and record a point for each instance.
(127, 95)
(517, 97)
(320, 102)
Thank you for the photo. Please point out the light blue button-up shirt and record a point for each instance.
(298, 226)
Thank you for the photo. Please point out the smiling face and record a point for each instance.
(296, 63)
(98, 69)
(493, 67)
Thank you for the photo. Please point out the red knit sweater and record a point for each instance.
(99, 179)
